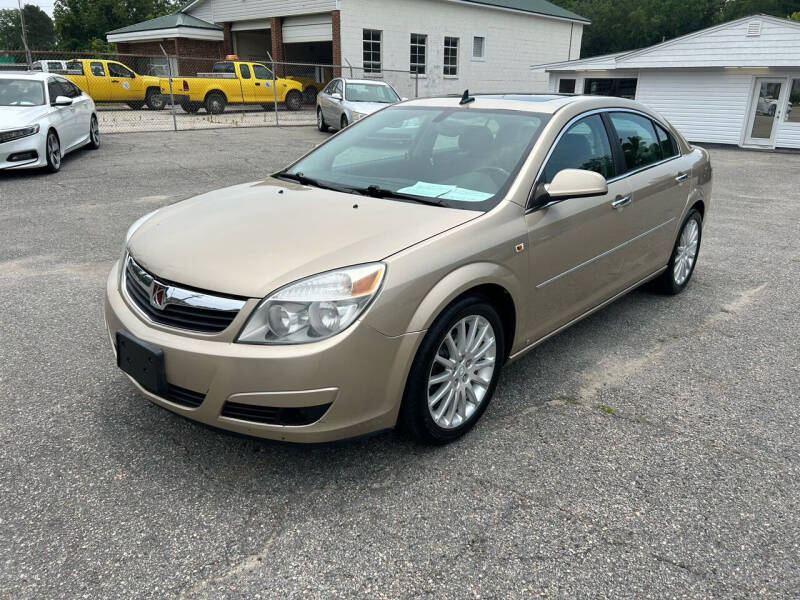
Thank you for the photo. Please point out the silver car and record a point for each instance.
(344, 101)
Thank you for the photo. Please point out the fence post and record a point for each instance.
(416, 84)
(171, 94)
(274, 88)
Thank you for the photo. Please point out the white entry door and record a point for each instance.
(766, 109)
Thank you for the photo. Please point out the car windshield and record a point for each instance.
(370, 92)
(456, 156)
(21, 92)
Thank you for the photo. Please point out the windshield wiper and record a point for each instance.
(377, 191)
(300, 178)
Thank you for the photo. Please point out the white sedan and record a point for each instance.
(43, 117)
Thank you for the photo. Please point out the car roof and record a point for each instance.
(367, 81)
(538, 103)
(35, 75)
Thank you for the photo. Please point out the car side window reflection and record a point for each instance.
(97, 69)
(585, 146)
(638, 139)
(669, 146)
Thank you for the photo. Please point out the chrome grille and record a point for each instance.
(176, 306)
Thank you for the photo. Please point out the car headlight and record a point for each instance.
(136, 224)
(15, 134)
(357, 116)
(314, 308)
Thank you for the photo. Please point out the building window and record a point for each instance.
(621, 88)
(479, 47)
(372, 51)
(566, 86)
(451, 56)
(793, 108)
(418, 42)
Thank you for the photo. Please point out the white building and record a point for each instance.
(736, 83)
(483, 45)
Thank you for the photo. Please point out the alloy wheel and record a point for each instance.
(54, 150)
(94, 131)
(686, 252)
(462, 371)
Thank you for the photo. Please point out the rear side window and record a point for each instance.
(245, 71)
(669, 147)
(584, 145)
(636, 134)
(97, 69)
(75, 67)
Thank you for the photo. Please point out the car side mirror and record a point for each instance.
(576, 183)
(336, 96)
(62, 101)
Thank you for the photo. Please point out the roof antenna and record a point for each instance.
(466, 98)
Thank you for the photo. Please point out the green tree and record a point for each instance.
(795, 16)
(83, 24)
(619, 25)
(38, 25)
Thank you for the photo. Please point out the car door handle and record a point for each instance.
(620, 202)
(115, 81)
(258, 84)
(682, 177)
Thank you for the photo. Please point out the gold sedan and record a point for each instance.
(385, 278)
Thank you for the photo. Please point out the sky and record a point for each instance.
(46, 5)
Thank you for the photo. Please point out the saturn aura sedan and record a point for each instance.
(43, 117)
(385, 277)
(344, 101)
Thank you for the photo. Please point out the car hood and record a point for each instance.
(12, 117)
(250, 239)
(366, 108)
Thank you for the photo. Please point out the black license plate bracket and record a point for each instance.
(142, 361)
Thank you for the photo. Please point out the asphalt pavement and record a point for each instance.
(651, 451)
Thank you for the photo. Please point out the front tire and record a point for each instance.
(684, 256)
(53, 152)
(310, 95)
(154, 99)
(191, 107)
(321, 124)
(343, 122)
(94, 134)
(293, 100)
(454, 373)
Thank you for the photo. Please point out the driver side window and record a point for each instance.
(117, 70)
(585, 146)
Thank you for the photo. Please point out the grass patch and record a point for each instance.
(605, 408)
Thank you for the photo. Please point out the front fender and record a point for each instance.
(459, 281)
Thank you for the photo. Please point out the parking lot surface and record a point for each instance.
(651, 451)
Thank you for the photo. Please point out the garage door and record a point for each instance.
(307, 28)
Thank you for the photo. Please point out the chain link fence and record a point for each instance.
(177, 93)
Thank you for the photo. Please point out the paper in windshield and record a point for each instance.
(445, 192)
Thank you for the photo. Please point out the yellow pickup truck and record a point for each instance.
(111, 81)
(233, 82)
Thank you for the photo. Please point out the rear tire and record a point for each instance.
(94, 134)
(293, 100)
(53, 152)
(321, 124)
(215, 103)
(154, 99)
(451, 381)
(310, 95)
(683, 258)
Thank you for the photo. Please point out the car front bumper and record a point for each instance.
(361, 372)
(32, 143)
